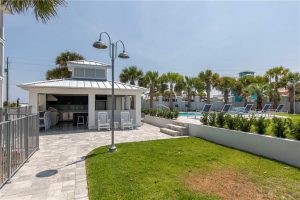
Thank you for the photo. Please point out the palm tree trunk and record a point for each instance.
(151, 97)
(291, 99)
(226, 92)
(245, 101)
(208, 94)
(189, 101)
(171, 102)
(259, 102)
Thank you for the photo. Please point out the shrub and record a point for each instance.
(244, 123)
(280, 127)
(204, 119)
(212, 119)
(295, 130)
(161, 113)
(221, 119)
(261, 125)
(230, 122)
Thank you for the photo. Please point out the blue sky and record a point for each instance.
(184, 37)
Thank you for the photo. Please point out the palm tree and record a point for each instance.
(225, 84)
(131, 74)
(151, 81)
(209, 80)
(287, 80)
(276, 73)
(64, 57)
(61, 60)
(171, 79)
(43, 10)
(191, 86)
(57, 73)
(245, 93)
(259, 90)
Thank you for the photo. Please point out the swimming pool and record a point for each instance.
(189, 114)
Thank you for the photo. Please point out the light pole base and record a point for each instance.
(112, 148)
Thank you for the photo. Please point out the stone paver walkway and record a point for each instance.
(57, 170)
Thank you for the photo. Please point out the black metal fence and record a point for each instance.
(19, 139)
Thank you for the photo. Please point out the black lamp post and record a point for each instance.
(113, 55)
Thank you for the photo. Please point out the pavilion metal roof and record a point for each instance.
(80, 83)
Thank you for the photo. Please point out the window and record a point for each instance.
(89, 73)
(79, 72)
(100, 73)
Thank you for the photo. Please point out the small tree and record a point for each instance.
(209, 80)
(131, 74)
(61, 71)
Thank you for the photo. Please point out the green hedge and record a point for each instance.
(161, 113)
(280, 127)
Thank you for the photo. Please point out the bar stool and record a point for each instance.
(80, 120)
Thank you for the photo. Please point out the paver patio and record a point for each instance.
(57, 170)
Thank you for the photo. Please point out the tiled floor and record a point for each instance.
(57, 170)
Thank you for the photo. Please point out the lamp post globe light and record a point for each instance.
(113, 50)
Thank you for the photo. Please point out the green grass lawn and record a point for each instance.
(160, 170)
(294, 117)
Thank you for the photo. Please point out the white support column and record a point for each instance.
(33, 101)
(138, 105)
(42, 99)
(91, 110)
(128, 103)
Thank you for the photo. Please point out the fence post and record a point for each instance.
(37, 130)
(8, 129)
(26, 131)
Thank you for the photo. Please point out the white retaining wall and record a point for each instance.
(284, 150)
(157, 121)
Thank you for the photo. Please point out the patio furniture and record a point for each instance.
(116, 125)
(45, 120)
(126, 121)
(279, 109)
(103, 121)
(205, 109)
(80, 121)
(246, 110)
(226, 108)
(264, 110)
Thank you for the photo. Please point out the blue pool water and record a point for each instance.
(189, 114)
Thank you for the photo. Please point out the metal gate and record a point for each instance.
(19, 139)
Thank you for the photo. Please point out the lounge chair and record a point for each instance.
(279, 109)
(246, 110)
(264, 110)
(205, 109)
(103, 121)
(126, 121)
(226, 108)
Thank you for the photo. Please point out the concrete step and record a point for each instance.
(182, 129)
(180, 123)
(170, 132)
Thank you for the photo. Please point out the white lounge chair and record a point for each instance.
(45, 120)
(103, 121)
(126, 121)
